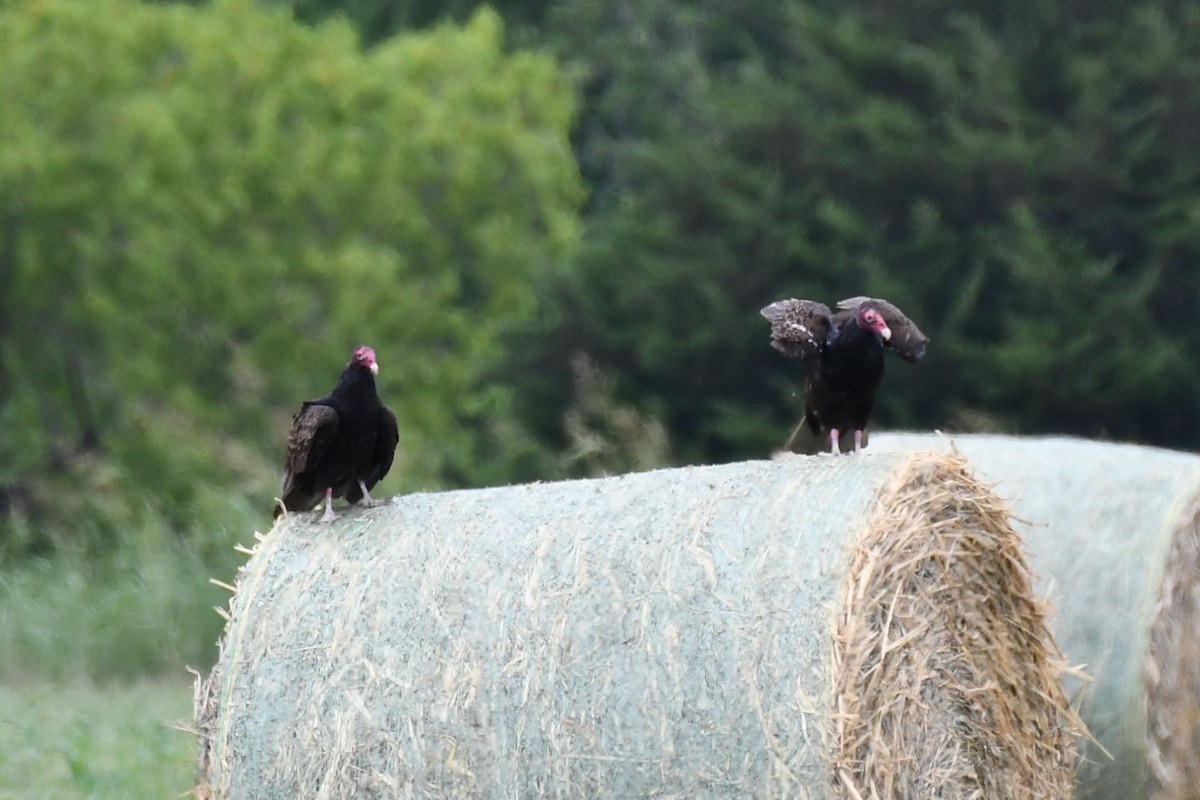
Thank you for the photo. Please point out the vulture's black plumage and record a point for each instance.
(843, 354)
(342, 444)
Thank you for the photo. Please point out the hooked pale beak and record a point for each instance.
(886, 333)
(375, 366)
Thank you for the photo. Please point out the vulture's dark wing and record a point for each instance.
(313, 428)
(386, 439)
(907, 339)
(798, 327)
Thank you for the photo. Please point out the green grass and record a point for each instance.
(83, 641)
(69, 741)
(59, 623)
(145, 610)
(85, 638)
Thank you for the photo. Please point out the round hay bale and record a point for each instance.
(822, 627)
(1114, 533)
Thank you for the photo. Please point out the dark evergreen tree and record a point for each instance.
(1019, 177)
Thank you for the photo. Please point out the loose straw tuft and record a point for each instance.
(946, 678)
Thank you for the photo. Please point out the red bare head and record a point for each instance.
(364, 357)
(869, 319)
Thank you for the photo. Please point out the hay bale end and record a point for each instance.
(1113, 531)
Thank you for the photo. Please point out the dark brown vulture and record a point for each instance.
(843, 355)
(340, 445)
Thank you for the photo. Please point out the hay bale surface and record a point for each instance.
(703, 632)
(1114, 532)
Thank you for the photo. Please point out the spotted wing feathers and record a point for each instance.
(798, 327)
(313, 428)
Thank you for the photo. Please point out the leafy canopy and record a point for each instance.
(203, 209)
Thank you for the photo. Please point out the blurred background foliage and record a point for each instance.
(556, 222)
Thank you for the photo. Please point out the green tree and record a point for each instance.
(202, 210)
(379, 19)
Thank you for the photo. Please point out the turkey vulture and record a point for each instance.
(842, 352)
(340, 445)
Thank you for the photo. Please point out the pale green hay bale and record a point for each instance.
(666, 634)
(1112, 532)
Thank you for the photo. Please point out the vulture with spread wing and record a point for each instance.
(842, 352)
(340, 445)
